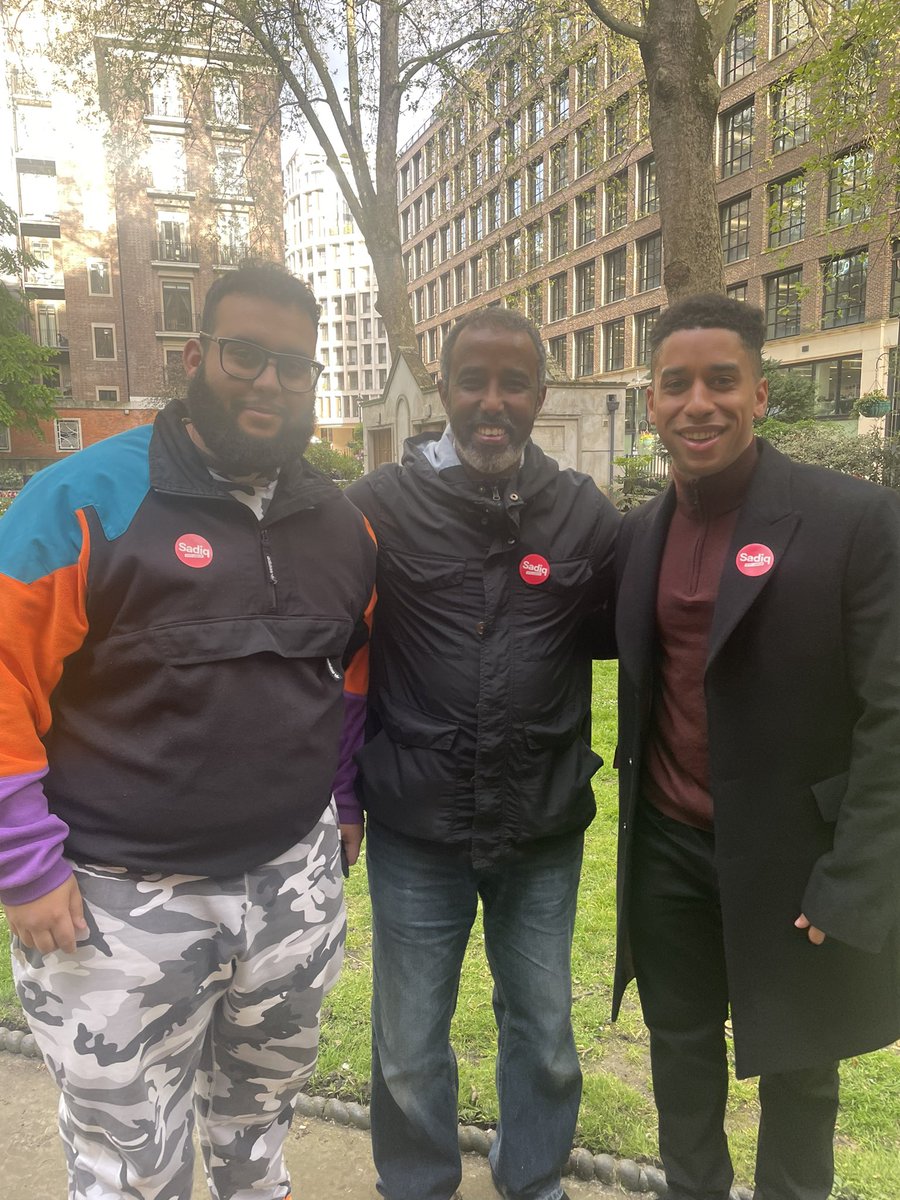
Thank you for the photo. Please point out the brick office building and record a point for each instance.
(132, 224)
(538, 190)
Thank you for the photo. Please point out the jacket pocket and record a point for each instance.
(829, 794)
(408, 726)
(423, 572)
(241, 637)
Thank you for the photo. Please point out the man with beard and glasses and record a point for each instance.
(494, 582)
(183, 666)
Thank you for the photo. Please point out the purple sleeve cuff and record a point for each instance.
(31, 841)
(349, 808)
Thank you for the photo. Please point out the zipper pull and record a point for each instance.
(335, 674)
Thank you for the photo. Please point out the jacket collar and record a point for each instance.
(176, 467)
(534, 474)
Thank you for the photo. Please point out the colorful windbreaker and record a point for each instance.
(181, 685)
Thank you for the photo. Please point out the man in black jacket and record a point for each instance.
(476, 773)
(759, 755)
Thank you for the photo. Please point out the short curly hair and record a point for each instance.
(713, 311)
(256, 277)
(497, 318)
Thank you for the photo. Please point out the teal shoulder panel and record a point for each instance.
(40, 533)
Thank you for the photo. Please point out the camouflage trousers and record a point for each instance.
(188, 999)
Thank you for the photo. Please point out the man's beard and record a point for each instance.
(483, 460)
(234, 452)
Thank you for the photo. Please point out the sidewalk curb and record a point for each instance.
(605, 1168)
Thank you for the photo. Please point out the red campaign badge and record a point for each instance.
(534, 569)
(193, 550)
(754, 559)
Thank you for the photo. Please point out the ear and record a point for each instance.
(542, 396)
(192, 356)
(651, 411)
(761, 402)
(443, 393)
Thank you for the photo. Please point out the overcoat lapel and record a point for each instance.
(636, 602)
(766, 518)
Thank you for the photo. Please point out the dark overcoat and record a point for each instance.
(803, 698)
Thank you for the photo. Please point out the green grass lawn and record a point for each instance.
(617, 1110)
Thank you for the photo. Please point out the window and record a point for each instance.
(615, 193)
(556, 349)
(790, 114)
(736, 128)
(493, 154)
(228, 173)
(844, 289)
(737, 291)
(513, 78)
(492, 93)
(614, 276)
(783, 303)
(560, 36)
(233, 234)
(459, 191)
(535, 121)
(787, 211)
(444, 242)
(459, 233)
(494, 264)
(445, 294)
(104, 341)
(476, 275)
(585, 149)
(99, 278)
(164, 96)
(836, 380)
(513, 197)
(534, 303)
(535, 176)
(177, 314)
(585, 218)
(586, 80)
(739, 51)
(535, 235)
(226, 101)
(643, 327)
(584, 352)
(559, 99)
(648, 191)
(894, 303)
(514, 135)
(476, 167)
(649, 262)
(476, 222)
(558, 297)
(848, 188)
(108, 395)
(791, 24)
(559, 166)
(617, 126)
(514, 256)
(614, 345)
(584, 287)
(5, 445)
(616, 58)
(167, 163)
(559, 231)
(67, 434)
(495, 210)
(734, 226)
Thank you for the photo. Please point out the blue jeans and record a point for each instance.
(424, 901)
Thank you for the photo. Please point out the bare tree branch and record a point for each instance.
(616, 24)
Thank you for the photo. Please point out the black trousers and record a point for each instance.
(679, 958)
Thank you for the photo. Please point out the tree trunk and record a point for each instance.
(383, 241)
(679, 64)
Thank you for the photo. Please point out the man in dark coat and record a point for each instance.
(475, 778)
(759, 645)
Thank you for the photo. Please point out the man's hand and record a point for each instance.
(351, 839)
(52, 922)
(816, 936)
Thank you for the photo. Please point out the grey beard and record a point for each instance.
(490, 462)
(238, 454)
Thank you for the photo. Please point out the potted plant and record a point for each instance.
(873, 404)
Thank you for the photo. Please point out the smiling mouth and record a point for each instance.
(492, 432)
(698, 436)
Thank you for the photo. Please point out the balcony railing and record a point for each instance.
(231, 254)
(52, 339)
(177, 322)
(169, 250)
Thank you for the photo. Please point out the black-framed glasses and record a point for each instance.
(247, 361)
